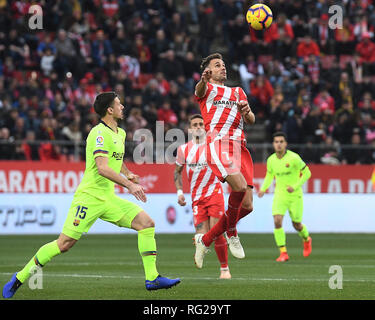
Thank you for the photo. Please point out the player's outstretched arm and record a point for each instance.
(104, 170)
(178, 183)
(201, 87)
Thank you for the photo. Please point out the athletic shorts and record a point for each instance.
(212, 206)
(226, 157)
(86, 209)
(293, 204)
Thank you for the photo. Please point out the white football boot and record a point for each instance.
(200, 250)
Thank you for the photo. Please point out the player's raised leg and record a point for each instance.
(145, 227)
(280, 238)
(306, 239)
(40, 259)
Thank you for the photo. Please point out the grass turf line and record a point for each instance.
(109, 267)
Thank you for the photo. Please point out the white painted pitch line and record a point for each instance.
(76, 275)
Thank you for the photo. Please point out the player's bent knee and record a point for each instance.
(66, 245)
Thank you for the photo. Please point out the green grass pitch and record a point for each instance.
(108, 267)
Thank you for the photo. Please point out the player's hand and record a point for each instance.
(138, 192)
(289, 189)
(133, 177)
(243, 107)
(206, 75)
(181, 200)
(260, 194)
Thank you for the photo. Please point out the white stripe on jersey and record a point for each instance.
(230, 119)
(198, 183)
(217, 161)
(210, 100)
(216, 117)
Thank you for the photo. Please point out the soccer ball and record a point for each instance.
(259, 16)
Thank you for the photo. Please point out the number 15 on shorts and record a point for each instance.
(81, 212)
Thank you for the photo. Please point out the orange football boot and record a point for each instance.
(307, 247)
(283, 257)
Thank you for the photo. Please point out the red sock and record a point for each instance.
(234, 205)
(243, 213)
(221, 249)
(215, 231)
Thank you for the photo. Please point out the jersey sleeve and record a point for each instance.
(180, 159)
(99, 144)
(242, 94)
(299, 163)
(209, 88)
(269, 176)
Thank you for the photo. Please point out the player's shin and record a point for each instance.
(304, 233)
(234, 205)
(147, 250)
(41, 258)
(215, 231)
(280, 238)
(221, 249)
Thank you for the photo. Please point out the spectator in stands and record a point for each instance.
(166, 114)
(101, 48)
(170, 66)
(366, 50)
(7, 148)
(324, 100)
(307, 47)
(323, 35)
(345, 38)
(262, 90)
(135, 120)
(284, 36)
(352, 155)
(329, 153)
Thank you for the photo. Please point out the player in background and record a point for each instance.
(206, 191)
(290, 173)
(95, 198)
(224, 110)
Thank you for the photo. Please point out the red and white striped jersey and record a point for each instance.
(220, 114)
(203, 182)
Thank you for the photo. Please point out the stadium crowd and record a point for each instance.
(315, 83)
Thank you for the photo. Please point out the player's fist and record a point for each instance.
(260, 194)
(181, 200)
(243, 107)
(133, 177)
(206, 75)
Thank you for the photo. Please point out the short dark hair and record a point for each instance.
(205, 61)
(279, 134)
(103, 101)
(195, 116)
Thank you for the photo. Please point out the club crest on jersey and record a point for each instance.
(287, 165)
(99, 141)
(76, 222)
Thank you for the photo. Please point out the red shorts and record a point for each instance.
(226, 157)
(212, 206)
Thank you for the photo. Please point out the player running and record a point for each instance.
(95, 198)
(206, 191)
(224, 110)
(290, 173)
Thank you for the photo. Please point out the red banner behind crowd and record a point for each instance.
(63, 177)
